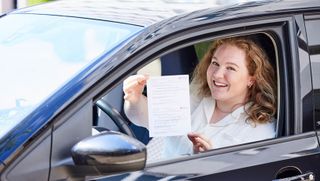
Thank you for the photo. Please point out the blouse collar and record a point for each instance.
(209, 106)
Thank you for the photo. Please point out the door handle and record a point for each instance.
(305, 177)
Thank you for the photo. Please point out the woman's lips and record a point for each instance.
(219, 84)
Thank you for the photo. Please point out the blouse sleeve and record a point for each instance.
(194, 98)
(137, 113)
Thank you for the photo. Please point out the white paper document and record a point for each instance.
(169, 105)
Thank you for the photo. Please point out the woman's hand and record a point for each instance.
(200, 143)
(133, 87)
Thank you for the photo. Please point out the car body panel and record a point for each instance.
(34, 162)
(255, 163)
(305, 75)
(312, 23)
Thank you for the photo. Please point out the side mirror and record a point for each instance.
(110, 152)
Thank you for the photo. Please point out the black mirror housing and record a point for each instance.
(110, 152)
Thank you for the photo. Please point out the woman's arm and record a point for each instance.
(137, 112)
(135, 103)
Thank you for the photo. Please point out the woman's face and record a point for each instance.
(228, 76)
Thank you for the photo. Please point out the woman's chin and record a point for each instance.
(218, 97)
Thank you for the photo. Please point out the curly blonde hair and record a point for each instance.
(262, 94)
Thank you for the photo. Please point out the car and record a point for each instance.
(62, 68)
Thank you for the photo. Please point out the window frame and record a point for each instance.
(313, 17)
(198, 34)
(172, 42)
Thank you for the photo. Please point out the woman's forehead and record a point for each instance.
(228, 52)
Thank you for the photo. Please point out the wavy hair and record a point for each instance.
(262, 94)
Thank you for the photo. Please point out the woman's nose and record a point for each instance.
(218, 72)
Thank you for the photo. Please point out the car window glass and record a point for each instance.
(51, 50)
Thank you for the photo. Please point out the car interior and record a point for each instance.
(177, 62)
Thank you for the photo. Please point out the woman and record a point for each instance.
(232, 99)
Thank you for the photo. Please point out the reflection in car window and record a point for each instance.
(51, 50)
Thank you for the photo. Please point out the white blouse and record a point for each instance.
(231, 130)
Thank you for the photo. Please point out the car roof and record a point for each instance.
(136, 12)
(147, 12)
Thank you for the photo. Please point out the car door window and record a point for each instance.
(179, 61)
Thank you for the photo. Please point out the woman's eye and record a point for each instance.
(215, 63)
(231, 68)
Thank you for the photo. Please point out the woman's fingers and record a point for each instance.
(200, 143)
(135, 82)
(192, 137)
(204, 144)
(136, 85)
(133, 86)
(134, 78)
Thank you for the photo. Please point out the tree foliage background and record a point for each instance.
(34, 2)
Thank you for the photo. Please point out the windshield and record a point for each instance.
(39, 53)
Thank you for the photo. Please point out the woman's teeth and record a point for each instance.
(219, 84)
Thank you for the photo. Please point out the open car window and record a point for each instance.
(181, 61)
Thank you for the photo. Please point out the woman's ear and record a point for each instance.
(251, 82)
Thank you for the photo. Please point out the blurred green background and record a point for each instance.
(34, 2)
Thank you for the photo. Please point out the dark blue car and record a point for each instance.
(61, 99)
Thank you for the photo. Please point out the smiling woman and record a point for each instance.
(237, 77)
(233, 99)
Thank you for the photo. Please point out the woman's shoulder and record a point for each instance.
(267, 128)
(255, 132)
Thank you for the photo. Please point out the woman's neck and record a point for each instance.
(222, 109)
(227, 108)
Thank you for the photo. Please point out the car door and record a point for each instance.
(295, 151)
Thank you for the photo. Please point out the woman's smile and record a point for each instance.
(219, 84)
